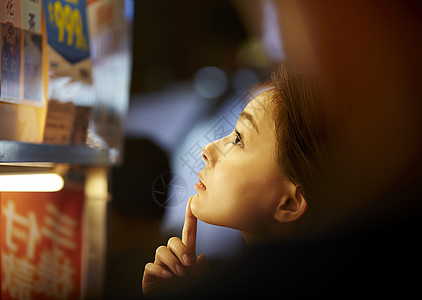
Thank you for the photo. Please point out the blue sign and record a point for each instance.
(67, 28)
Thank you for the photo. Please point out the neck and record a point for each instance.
(250, 238)
(279, 232)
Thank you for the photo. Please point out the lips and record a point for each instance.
(200, 185)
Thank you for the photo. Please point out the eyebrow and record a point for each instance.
(250, 118)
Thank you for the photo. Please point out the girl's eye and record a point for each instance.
(238, 140)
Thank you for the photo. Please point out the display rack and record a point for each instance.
(63, 116)
(18, 152)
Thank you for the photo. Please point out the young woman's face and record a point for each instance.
(241, 183)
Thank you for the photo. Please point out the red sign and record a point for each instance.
(41, 245)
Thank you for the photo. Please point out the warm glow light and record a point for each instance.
(31, 183)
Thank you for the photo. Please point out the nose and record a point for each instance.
(208, 154)
(205, 154)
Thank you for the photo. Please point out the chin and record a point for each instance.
(207, 214)
(201, 215)
(194, 206)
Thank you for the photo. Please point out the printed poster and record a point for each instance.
(41, 242)
(24, 14)
(32, 68)
(10, 61)
(10, 12)
(31, 15)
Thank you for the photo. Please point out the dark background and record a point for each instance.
(172, 40)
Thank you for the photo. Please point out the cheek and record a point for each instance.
(240, 200)
(219, 203)
(257, 205)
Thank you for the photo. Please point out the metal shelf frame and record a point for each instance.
(20, 152)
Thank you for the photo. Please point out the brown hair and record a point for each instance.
(303, 132)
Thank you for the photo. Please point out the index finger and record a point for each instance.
(189, 229)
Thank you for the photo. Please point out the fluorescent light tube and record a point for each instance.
(31, 183)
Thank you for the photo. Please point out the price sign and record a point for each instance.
(41, 245)
(67, 28)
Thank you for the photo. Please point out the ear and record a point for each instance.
(291, 206)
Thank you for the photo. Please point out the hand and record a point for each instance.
(175, 260)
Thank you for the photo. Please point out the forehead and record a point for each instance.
(260, 108)
(262, 142)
